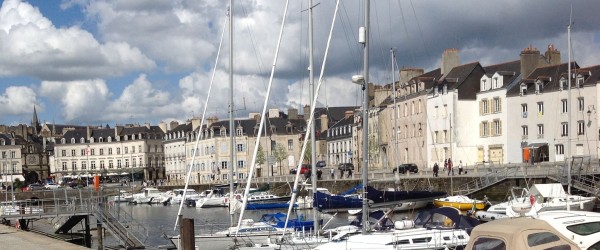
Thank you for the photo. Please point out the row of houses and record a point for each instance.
(512, 112)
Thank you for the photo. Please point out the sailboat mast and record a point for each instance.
(569, 156)
(365, 123)
(231, 129)
(311, 81)
(395, 109)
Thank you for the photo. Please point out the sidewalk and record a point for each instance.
(13, 238)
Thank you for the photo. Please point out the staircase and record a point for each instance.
(124, 233)
(487, 177)
(69, 224)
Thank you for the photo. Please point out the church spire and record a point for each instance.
(35, 122)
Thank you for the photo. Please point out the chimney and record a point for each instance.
(292, 114)
(273, 113)
(118, 130)
(147, 125)
(529, 61)
(450, 60)
(163, 126)
(306, 112)
(89, 133)
(409, 73)
(173, 125)
(195, 123)
(211, 120)
(552, 55)
(324, 121)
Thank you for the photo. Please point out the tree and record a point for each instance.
(307, 154)
(260, 159)
(280, 154)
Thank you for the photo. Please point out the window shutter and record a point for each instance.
(481, 129)
(500, 127)
(481, 107)
(490, 106)
(499, 104)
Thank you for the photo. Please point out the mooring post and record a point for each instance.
(187, 239)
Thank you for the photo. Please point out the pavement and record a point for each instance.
(13, 238)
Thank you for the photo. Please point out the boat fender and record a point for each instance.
(237, 196)
(404, 224)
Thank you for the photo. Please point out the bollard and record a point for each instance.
(187, 239)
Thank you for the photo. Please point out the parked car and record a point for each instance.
(346, 166)
(321, 164)
(409, 167)
(51, 186)
(35, 187)
(303, 169)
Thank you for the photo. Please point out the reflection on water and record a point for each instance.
(160, 220)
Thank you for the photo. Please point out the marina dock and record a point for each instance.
(13, 238)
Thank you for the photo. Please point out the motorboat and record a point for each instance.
(123, 196)
(460, 202)
(580, 227)
(542, 197)
(327, 202)
(148, 196)
(210, 198)
(439, 228)
(518, 233)
(176, 195)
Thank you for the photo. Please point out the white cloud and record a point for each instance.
(31, 45)
(17, 100)
(81, 101)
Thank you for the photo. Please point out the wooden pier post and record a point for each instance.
(187, 239)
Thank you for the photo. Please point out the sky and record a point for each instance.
(93, 62)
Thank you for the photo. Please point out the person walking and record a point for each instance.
(450, 170)
(445, 164)
(332, 172)
(349, 173)
(460, 167)
(436, 168)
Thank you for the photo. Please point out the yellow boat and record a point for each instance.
(460, 202)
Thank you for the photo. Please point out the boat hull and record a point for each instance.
(459, 205)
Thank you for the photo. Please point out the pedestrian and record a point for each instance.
(319, 173)
(307, 174)
(332, 172)
(341, 174)
(445, 164)
(436, 168)
(450, 170)
(460, 167)
(349, 173)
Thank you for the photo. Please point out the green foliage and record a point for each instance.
(17, 183)
(280, 153)
(260, 157)
(307, 154)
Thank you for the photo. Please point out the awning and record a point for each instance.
(7, 178)
(537, 145)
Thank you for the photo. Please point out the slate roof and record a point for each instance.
(465, 78)
(343, 122)
(19, 140)
(428, 78)
(154, 132)
(550, 74)
(250, 126)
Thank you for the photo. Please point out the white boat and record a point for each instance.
(542, 197)
(212, 198)
(148, 196)
(580, 227)
(122, 197)
(439, 228)
(176, 195)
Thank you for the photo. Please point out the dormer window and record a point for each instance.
(109, 139)
(63, 141)
(445, 88)
(73, 140)
(435, 91)
(100, 139)
(495, 83)
(2, 142)
(223, 131)
(81, 140)
(523, 89)
(539, 87)
(563, 84)
(483, 87)
(580, 82)
(92, 139)
(238, 132)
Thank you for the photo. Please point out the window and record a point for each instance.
(563, 84)
(525, 131)
(64, 166)
(536, 239)
(523, 89)
(580, 82)
(580, 127)
(241, 164)
(101, 164)
(497, 127)
(118, 163)
(132, 149)
(126, 150)
(72, 152)
(83, 165)
(109, 151)
(241, 148)
(540, 108)
(290, 144)
(74, 165)
(580, 104)
(83, 152)
(524, 110)
(224, 165)
(133, 163)
(93, 164)
(485, 243)
(118, 151)
(560, 149)
(110, 164)
(565, 129)
(540, 128)
(497, 104)
(565, 106)
(101, 151)
(92, 152)
(585, 228)
(484, 106)
(484, 129)
(240, 175)
(63, 152)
